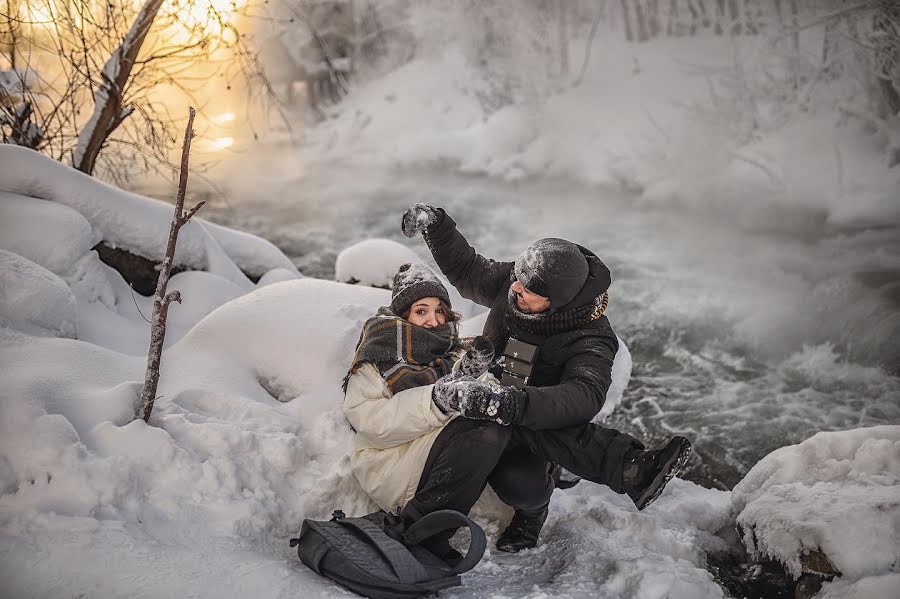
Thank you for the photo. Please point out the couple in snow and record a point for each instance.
(434, 425)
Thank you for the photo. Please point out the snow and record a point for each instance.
(136, 223)
(27, 226)
(246, 439)
(16, 81)
(372, 262)
(34, 300)
(836, 491)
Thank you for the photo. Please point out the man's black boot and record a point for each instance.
(522, 532)
(646, 473)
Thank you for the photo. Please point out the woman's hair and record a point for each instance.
(451, 315)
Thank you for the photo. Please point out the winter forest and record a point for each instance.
(201, 206)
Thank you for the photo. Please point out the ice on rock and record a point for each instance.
(838, 492)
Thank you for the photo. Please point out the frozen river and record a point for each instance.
(748, 331)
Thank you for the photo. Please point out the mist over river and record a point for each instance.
(749, 331)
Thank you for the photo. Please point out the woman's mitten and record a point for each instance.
(445, 393)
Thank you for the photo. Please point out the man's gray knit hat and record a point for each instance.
(554, 268)
(414, 282)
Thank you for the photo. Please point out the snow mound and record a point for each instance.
(34, 300)
(372, 262)
(50, 234)
(838, 492)
(136, 223)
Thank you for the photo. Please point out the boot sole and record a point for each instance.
(672, 466)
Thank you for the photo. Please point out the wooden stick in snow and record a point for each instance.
(161, 299)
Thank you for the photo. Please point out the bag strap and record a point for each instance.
(405, 566)
(441, 520)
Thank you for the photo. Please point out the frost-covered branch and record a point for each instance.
(109, 111)
(162, 299)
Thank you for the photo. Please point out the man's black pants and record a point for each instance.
(468, 454)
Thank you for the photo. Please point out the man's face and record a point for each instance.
(528, 302)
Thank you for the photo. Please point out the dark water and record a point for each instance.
(746, 336)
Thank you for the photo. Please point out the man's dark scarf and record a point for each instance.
(405, 354)
(546, 325)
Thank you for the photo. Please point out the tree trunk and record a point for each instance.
(830, 45)
(563, 37)
(109, 109)
(720, 17)
(653, 24)
(161, 299)
(640, 13)
(626, 15)
(795, 26)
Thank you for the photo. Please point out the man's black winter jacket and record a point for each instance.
(572, 370)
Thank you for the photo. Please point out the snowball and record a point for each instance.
(50, 234)
(372, 262)
(836, 491)
(34, 300)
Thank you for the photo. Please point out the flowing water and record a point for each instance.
(747, 334)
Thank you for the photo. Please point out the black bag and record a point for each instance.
(374, 556)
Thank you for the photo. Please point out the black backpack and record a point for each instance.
(377, 556)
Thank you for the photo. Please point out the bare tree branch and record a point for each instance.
(162, 299)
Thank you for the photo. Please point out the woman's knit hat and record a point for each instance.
(414, 282)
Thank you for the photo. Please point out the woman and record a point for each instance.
(402, 351)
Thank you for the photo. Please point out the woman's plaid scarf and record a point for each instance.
(406, 355)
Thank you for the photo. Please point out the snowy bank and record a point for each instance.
(246, 440)
(52, 218)
(135, 223)
(837, 493)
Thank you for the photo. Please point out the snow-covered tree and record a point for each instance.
(98, 71)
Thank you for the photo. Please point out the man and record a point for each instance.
(553, 298)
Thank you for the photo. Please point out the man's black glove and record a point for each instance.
(478, 358)
(483, 401)
(418, 218)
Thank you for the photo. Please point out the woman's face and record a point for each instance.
(428, 312)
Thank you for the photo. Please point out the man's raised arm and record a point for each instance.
(476, 278)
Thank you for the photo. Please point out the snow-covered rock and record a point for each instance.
(136, 223)
(34, 300)
(836, 492)
(52, 216)
(372, 262)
